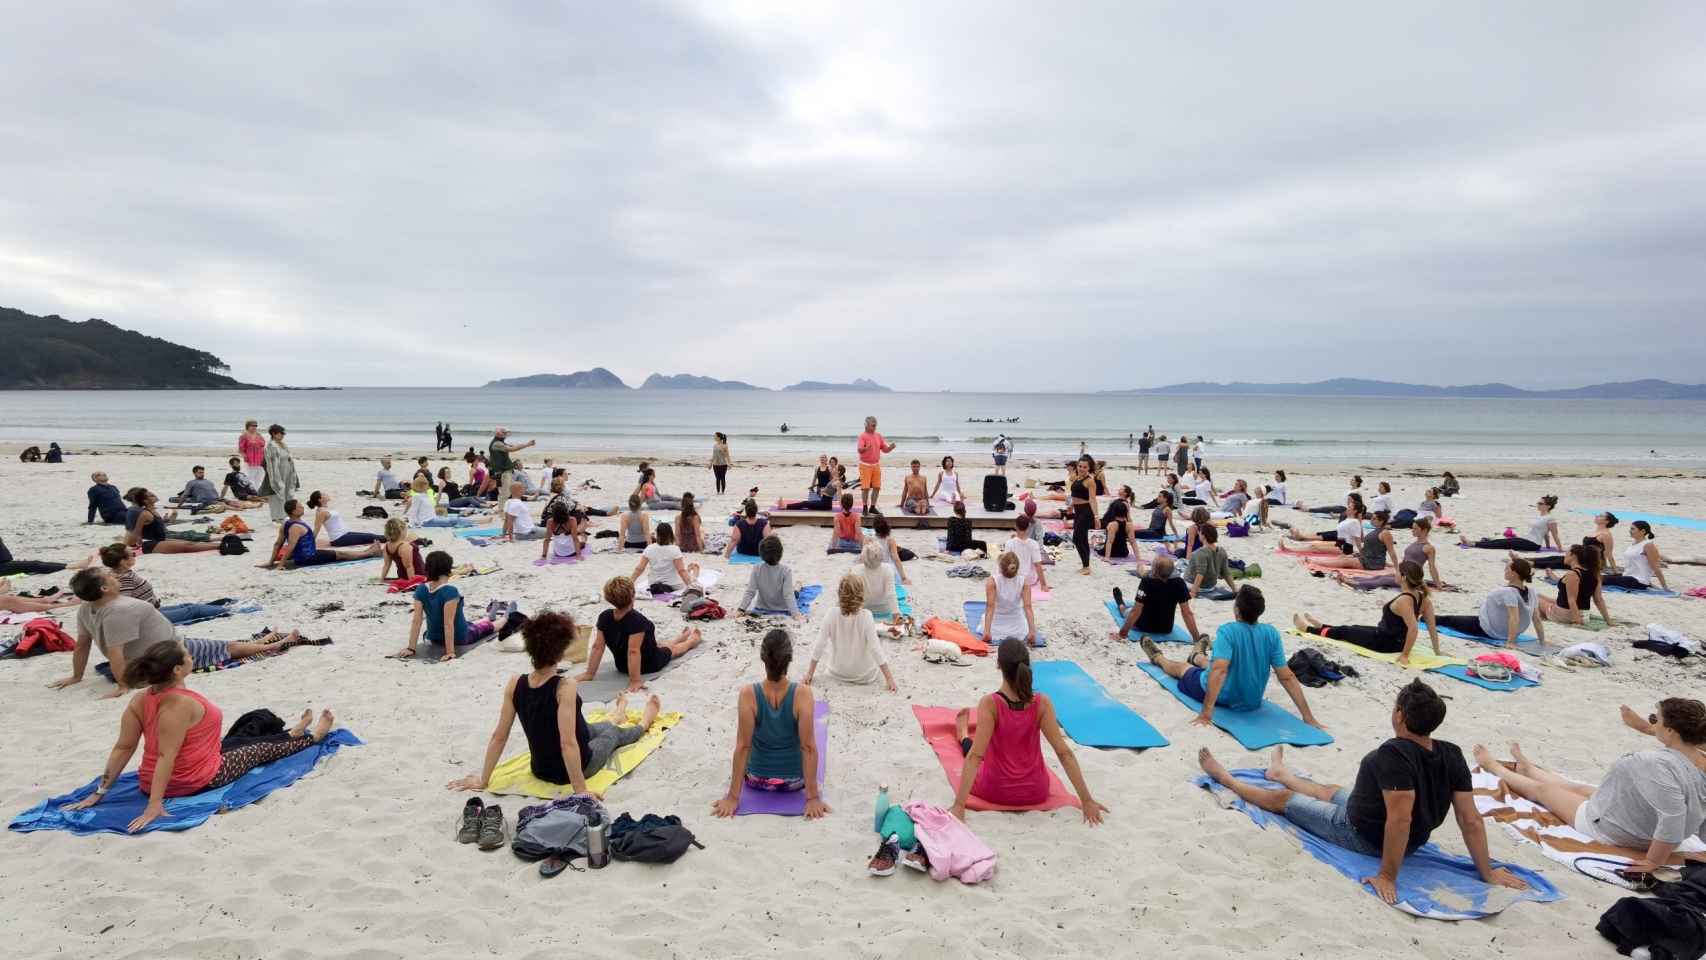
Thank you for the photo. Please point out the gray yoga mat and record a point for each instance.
(610, 682)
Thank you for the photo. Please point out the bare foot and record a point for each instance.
(1522, 764)
(654, 706)
(619, 709)
(1213, 767)
(302, 724)
(1276, 765)
(324, 726)
(962, 723)
(1298, 622)
(1485, 761)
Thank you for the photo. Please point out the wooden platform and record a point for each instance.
(980, 519)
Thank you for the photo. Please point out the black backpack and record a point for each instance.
(374, 513)
(651, 839)
(231, 545)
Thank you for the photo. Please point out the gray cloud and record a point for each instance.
(1023, 195)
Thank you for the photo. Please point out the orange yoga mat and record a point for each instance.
(938, 725)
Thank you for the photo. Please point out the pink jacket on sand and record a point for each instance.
(954, 850)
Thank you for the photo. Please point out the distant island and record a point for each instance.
(597, 378)
(688, 381)
(868, 386)
(53, 353)
(1350, 387)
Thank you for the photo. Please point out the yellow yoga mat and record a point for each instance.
(1419, 659)
(515, 775)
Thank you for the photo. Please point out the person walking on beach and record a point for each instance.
(1143, 444)
(1182, 454)
(447, 439)
(720, 460)
(252, 447)
(872, 446)
(278, 482)
(438, 436)
(498, 458)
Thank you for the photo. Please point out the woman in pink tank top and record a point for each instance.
(1004, 757)
(179, 733)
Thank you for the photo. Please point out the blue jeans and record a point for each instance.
(1329, 821)
(191, 612)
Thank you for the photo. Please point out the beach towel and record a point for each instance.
(957, 634)
(1461, 672)
(234, 664)
(790, 803)
(1087, 713)
(803, 598)
(937, 724)
(609, 682)
(1664, 519)
(973, 613)
(431, 652)
(1179, 634)
(1431, 883)
(1420, 659)
(328, 566)
(1529, 822)
(515, 775)
(1266, 726)
(126, 801)
(745, 559)
(554, 560)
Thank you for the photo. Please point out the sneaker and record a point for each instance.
(492, 827)
(1200, 646)
(882, 865)
(1150, 650)
(917, 859)
(471, 811)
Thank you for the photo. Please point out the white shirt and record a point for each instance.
(335, 526)
(847, 646)
(1163, 450)
(1350, 530)
(1381, 501)
(523, 517)
(1029, 552)
(421, 508)
(879, 588)
(1635, 563)
(1196, 449)
(1276, 493)
(1538, 526)
(387, 481)
(1009, 609)
(660, 565)
(1205, 491)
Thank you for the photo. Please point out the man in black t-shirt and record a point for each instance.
(1159, 596)
(632, 638)
(1402, 792)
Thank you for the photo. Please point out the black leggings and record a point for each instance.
(237, 761)
(1464, 624)
(1507, 543)
(1082, 521)
(1555, 561)
(1369, 638)
(1335, 511)
(1626, 582)
(721, 472)
(1402, 520)
(29, 566)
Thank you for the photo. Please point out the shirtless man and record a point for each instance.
(915, 492)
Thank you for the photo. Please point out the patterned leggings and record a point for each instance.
(237, 761)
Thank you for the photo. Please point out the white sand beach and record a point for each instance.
(358, 859)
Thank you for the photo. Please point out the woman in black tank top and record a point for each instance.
(1083, 513)
(1578, 589)
(1397, 630)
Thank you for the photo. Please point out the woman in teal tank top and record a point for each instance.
(774, 747)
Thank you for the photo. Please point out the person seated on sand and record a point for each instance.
(1119, 540)
(689, 532)
(420, 503)
(1578, 589)
(1258, 506)
(632, 639)
(897, 554)
(1542, 532)
(749, 530)
(845, 534)
(1402, 792)
(10, 565)
(295, 546)
(1448, 486)
(398, 550)
(1430, 507)
(946, 491)
(438, 607)
(480, 479)
(914, 492)
(1203, 492)
(1276, 490)
(451, 491)
(1029, 551)
(1161, 523)
(179, 732)
(648, 491)
(121, 560)
(145, 527)
(1382, 499)
(960, 532)
(1160, 596)
(1193, 532)
(1232, 505)
(1210, 566)
(12, 603)
(123, 628)
(1506, 612)
(1124, 495)
(1007, 604)
(563, 537)
(518, 516)
(236, 483)
(564, 748)
(330, 528)
(634, 527)
(200, 493)
(1651, 801)
(54, 454)
(1643, 566)
(1233, 674)
(1003, 745)
(1374, 549)
(1419, 551)
(1337, 510)
(820, 478)
(385, 482)
(1397, 630)
(30, 454)
(775, 745)
(105, 501)
(847, 640)
(1348, 532)
(878, 579)
(1602, 539)
(662, 563)
(771, 585)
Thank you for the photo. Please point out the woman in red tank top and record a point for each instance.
(179, 733)
(1004, 758)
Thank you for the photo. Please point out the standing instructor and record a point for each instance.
(872, 446)
(498, 459)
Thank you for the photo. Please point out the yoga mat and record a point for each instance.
(973, 614)
(937, 724)
(903, 600)
(430, 652)
(1649, 592)
(1354, 573)
(1087, 713)
(1419, 659)
(1524, 641)
(515, 775)
(126, 800)
(956, 633)
(1179, 634)
(328, 566)
(1266, 726)
(642, 587)
(1669, 520)
(1459, 672)
(1125, 561)
(480, 532)
(609, 682)
(552, 561)
(791, 803)
(745, 559)
(803, 598)
(1432, 884)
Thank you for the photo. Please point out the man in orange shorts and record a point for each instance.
(872, 446)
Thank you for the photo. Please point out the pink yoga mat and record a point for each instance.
(790, 803)
(938, 726)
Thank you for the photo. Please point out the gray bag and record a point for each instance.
(556, 829)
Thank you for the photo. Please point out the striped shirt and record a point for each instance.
(131, 585)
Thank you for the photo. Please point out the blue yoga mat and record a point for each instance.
(1427, 877)
(1523, 640)
(1179, 634)
(1664, 519)
(902, 600)
(1458, 671)
(745, 559)
(126, 802)
(481, 532)
(1086, 712)
(1266, 726)
(1649, 592)
(803, 596)
(974, 619)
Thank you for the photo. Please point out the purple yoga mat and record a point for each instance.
(553, 560)
(790, 804)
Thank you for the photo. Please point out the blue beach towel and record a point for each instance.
(1086, 712)
(1432, 884)
(974, 619)
(1458, 671)
(745, 559)
(126, 802)
(449, 522)
(803, 596)
(1179, 634)
(1266, 726)
(1663, 519)
(481, 532)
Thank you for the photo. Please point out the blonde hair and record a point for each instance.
(1009, 564)
(619, 592)
(851, 595)
(421, 484)
(396, 529)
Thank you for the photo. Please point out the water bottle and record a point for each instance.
(597, 845)
(882, 806)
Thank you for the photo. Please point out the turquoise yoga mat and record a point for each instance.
(1663, 519)
(1086, 712)
(744, 559)
(1179, 634)
(1523, 640)
(974, 610)
(1266, 726)
(1458, 671)
(464, 533)
(1649, 592)
(902, 600)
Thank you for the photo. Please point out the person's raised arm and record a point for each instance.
(805, 712)
(568, 712)
(1635, 721)
(594, 655)
(1129, 621)
(1190, 618)
(746, 710)
(1433, 568)
(416, 619)
(988, 610)
(1294, 689)
(116, 663)
(1657, 562)
(1068, 761)
(1599, 601)
(129, 735)
(1475, 839)
(79, 660)
(639, 568)
(1217, 672)
(1399, 806)
(173, 721)
(450, 608)
(974, 757)
(495, 744)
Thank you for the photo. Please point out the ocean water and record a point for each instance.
(1269, 430)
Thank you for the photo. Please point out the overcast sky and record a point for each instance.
(991, 195)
